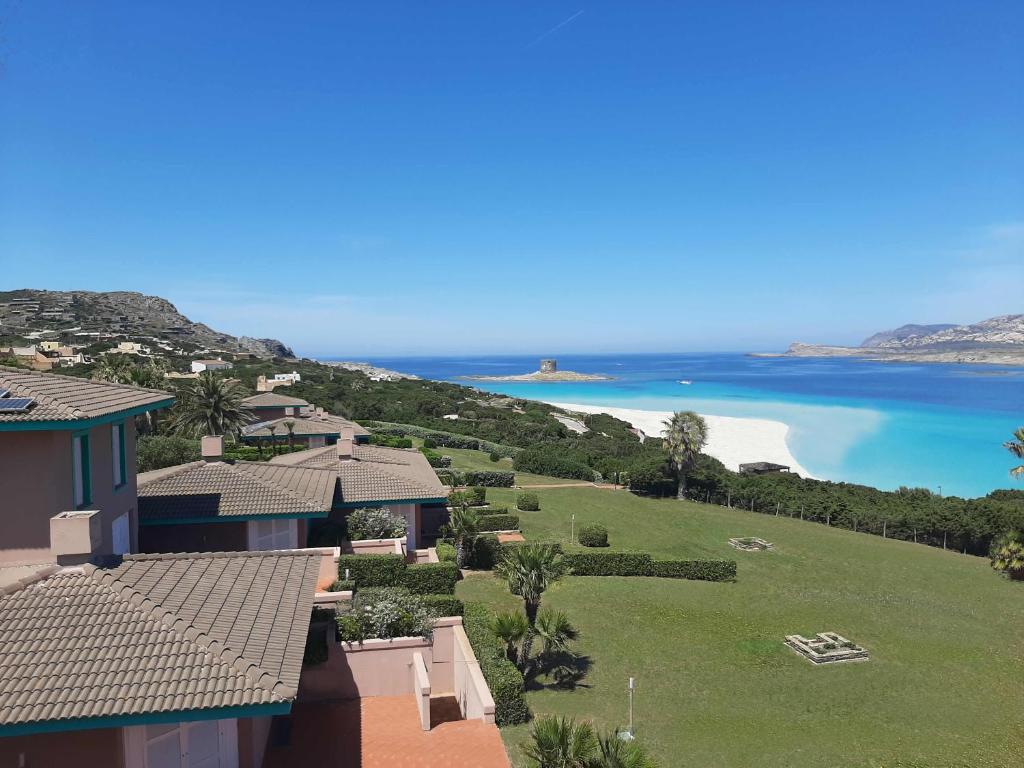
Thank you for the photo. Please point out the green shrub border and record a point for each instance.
(504, 522)
(642, 564)
(385, 570)
(430, 578)
(504, 680)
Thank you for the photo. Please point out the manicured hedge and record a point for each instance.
(528, 502)
(373, 570)
(641, 564)
(445, 552)
(477, 495)
(609, 563)
(699, 570)
(430, 578)
(485, 511)
(498, 523)
(504, 680)
(489, 478)
(593, 536)
(445, 605)
(552, 461)
(341, 585)
(484, 478)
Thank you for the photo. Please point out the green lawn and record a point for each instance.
(944, 686)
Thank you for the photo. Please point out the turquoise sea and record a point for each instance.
(881, 424)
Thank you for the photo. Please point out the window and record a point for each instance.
(80, 470)
(120, 536)
(272, 534)
(117, 453)
(198, 744)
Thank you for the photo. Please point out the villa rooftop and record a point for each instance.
(69, 398)
(374, 474)
(304, 426)
(158, 634)
(272, 400)
(221, 490)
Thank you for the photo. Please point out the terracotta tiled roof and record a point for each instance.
(68, 398)
(157, 634)
(374, 473)
(223, 490)
(304, 426)
(272, 400)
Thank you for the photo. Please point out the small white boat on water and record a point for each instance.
(685, 381)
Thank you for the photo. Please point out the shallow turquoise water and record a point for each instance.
(879, 424)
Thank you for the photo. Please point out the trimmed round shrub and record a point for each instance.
(528, 502)
(445, 552)
(477, 495)
(429, 442)
(375, 523)
(593, 536)
(495, 457)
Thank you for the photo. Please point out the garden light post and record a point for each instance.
(572, 528)
(627, 735)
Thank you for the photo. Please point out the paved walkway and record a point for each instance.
(385, 732)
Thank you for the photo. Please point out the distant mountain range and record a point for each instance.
(999, 340)
(32, 314)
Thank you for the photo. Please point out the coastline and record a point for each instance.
(731, 440)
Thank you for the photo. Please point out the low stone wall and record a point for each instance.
(471, 691)
(421, 689)
(381, 667)
(374, 547)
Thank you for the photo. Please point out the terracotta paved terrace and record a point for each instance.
(385, 732)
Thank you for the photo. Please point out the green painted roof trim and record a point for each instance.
(370, 503)
(121, 721)
(110, 418)
(228, 518)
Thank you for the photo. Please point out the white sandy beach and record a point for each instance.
(733, 441)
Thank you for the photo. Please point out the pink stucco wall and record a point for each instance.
(36, 478)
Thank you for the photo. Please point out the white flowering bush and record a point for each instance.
(386, 612)
(375, 523)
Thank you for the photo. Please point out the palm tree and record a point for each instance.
(272, 429)
(1016, 447)
(686, 433)
(113, 368)
(289, 424)
(1008, 555)
(561, 743)
(555, 631)
(510, 627)
(463, 524)
(616, 753)
(529, 570)
(209, 405)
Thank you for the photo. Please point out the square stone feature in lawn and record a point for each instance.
(750, 544)
(826, 648)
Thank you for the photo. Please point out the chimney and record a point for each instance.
(213, 447)
(75, 536)
(345, 443)
(319, 412)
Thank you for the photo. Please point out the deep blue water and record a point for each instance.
(881, 424)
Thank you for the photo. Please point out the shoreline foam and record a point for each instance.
(731, 440)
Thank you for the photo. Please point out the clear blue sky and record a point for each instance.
(379, 177)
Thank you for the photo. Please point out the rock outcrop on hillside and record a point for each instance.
(998, 340)
(122, 313)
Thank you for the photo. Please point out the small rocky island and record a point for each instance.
(548, 372)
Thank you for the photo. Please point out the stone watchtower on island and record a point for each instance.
(549, 365)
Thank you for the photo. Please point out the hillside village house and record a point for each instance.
(374, 476)
(213, 505)
(67, 444)
(310, 426)
(198, 366)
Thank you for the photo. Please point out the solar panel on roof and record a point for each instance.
(4, 392)
(15, 404)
